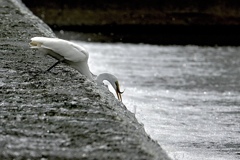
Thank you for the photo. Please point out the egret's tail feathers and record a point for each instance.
(34, 44)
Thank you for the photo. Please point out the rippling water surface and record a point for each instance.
(188, 97)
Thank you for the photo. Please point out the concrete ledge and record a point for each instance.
(58, 115)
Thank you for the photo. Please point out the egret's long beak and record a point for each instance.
(118, 92)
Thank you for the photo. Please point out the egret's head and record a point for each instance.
(118, 92)
(112, 80)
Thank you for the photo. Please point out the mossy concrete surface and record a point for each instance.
(60, 114)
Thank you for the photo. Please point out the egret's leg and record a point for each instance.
(59, 61)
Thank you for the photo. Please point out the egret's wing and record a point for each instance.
(68, 50)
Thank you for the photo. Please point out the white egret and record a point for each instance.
(73, 55)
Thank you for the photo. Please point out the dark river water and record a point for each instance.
(187, 97)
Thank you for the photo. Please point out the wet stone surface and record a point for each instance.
(60, 114)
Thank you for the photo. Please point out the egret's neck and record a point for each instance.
(83, 68)
(106, 76)
(100, 79)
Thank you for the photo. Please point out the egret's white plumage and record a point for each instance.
(64, 51)
(73, 55)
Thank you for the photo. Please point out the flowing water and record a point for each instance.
(187, 97)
